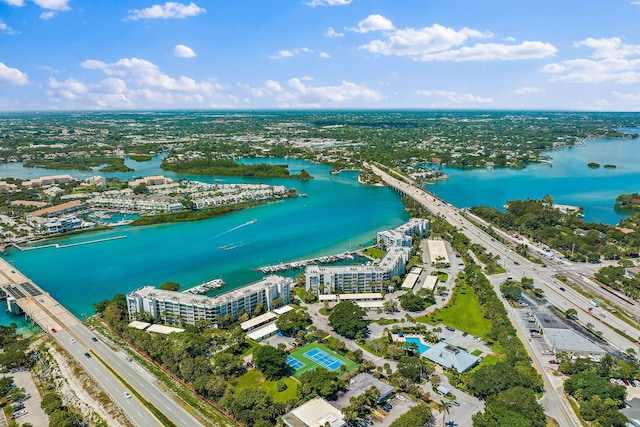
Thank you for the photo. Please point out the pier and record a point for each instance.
(294, 265)
(203, 288)
(69, 245)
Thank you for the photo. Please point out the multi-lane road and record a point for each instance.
(103, 361)
(517, 267)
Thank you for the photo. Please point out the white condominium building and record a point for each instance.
(357, 278)
(177, 307)
(401, 236)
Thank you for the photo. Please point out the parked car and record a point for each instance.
(386, 407)
(553, 362)
(454, 403)
(449, 328)
(401, 398)
(464, 334)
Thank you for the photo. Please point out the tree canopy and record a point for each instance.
(348, 320)
(271, 362)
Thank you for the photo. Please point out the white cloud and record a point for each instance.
(297, 93)
(182, 51)
(53, 4)
(47, 15)
(449, 98)
(166, 11)
(133, 83)
(332, 33)
(611, 61)
(315, 3)
(527, 90)
(5, 29)
(440, 43)
(145, 74)
(12, 76)
(412, 42)
(635, 97)
(324, 55)
(373, 23)
(493, 51)
(290, 53)
(18, 3)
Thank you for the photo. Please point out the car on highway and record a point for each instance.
(94, 339)
(127, 395)
(87, 355)
(54, 330)
(562, 289)
(516, 263)
(72, 340)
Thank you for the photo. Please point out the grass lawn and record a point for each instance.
(374, 252)
(462, 313)
(476, 352)
(489, 360)
(254, 378)
(310, 364)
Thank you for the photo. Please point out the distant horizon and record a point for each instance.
(321, 54)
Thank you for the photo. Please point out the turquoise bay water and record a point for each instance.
(568, 180)
(338, 214)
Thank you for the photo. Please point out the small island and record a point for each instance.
(106, 164)
(628, 201)
(593, 165)
(227, 167)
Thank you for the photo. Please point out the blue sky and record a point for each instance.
(269, 54)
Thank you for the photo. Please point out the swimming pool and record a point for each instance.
(421, 347)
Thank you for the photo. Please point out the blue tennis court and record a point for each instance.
(294, 363)
(324, 359)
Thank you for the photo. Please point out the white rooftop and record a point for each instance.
(162, 329)
(430, 282)
(568, 340)
(258, 320)
(317, 413)
(282, 310)
(260, 333)
(136, 324)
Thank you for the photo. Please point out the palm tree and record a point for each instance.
(444, 406)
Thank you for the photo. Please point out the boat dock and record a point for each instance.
(203, 288)
(69, 245)
(295, 265)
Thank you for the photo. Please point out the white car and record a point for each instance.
(401, 398)
(127, 395)
(72, 340)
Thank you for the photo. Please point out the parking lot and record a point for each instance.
(399, 407)
(34, 413)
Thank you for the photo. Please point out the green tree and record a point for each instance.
(319, 382)
(348, 320)
(271, 362)
(170, 286)
(411, 367)
(292, 322)
(418, 416)
(411, 302)
(443, 408)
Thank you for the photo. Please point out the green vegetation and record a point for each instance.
(320, 382)
(589, 384)
(567, 233)
(347, 319)
(515, 406)
(463, 312)
(271, 362)
(225, 167)
(628, 201)
(140, 157)
(618, 278)
(170, 286)
(185, 216)
(112, 164)
(414, 302)
(254, 379)
(417, 416)
(374, 252)
(292, 322)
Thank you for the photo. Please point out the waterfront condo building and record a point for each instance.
(401, 236)
(178, 307)
(322, 280)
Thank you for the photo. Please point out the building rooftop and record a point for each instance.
(430, 282)
(260, 333)
(282, 310)
(450, 356)
(136, 324)
(361, 383)
(258, 320)
(57, 208)
(567, 340)
(315, 413)
(411, 279)
(437, 249)
(162, 329)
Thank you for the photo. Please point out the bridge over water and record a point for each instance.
(24, 296)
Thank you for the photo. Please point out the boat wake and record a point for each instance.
(253, 221)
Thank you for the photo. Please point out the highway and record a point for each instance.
(555, 402)
(77, 340)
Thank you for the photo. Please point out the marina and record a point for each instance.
(295, 265)
(205, 287)
(69, 245)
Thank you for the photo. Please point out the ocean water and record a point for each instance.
(568, 180)
(338, 214)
